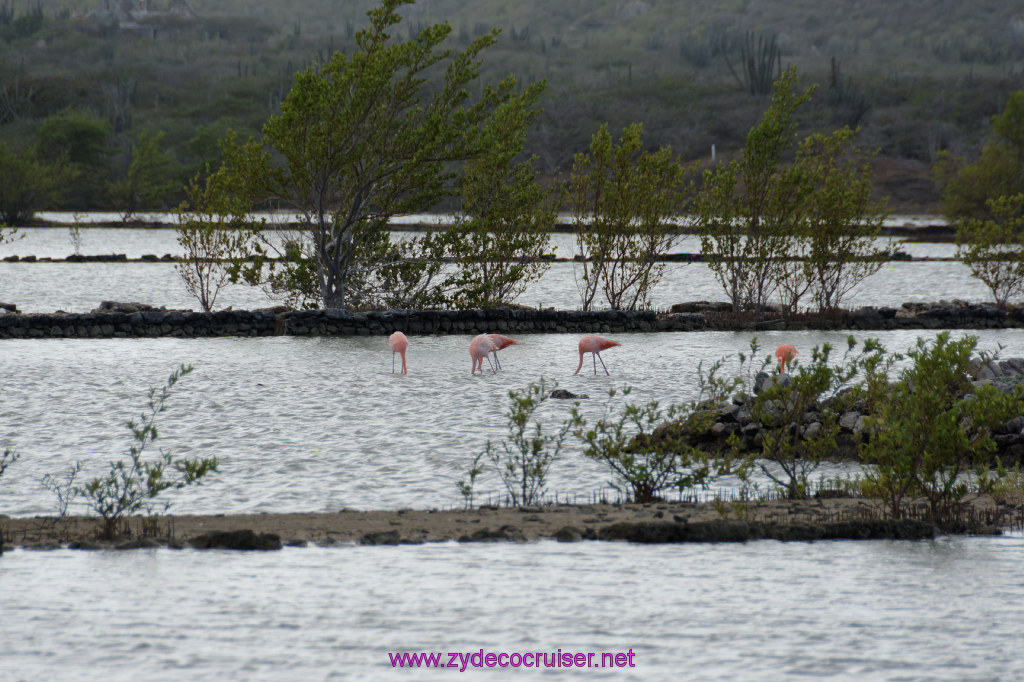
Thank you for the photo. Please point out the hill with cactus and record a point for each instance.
(917, 76)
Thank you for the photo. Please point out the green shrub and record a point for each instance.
(466, 488)
(789, 409)
(993, 249)
(29, 184)
(930, 428)
(214, 231)
(524, 458)
(1002, 485)
(967, 188)
(649, 449)
(131, 485)
(621, 198)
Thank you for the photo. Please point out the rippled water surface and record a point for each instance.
(80, 287)
(947, 609)
(57, 242)
(320, 424)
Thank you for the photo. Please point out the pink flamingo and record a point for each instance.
(595, 344)
(399, 343)
(479, 348)
(501, 342)
(785, 354)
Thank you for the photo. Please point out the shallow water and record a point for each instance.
(947, 609)
(318, 424)
(58, 242)
(80, 287)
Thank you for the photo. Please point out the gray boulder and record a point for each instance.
(562, 394)
(764, 381)
(848, 421)
(237, 539)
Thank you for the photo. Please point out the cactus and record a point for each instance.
(846, 97)
(760, 67)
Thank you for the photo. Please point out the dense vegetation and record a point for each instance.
(923, 433)
(919, 77)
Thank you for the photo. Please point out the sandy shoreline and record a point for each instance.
(655, 522)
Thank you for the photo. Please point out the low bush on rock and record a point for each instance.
(643, 457)
(932, 430)
(932, 427)
(800, 415)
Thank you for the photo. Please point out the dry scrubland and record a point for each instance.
(916, 77)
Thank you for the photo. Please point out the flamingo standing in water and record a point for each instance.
(501, 342)
(785, 354)
(595, 344)
(479, 348)
(398, 343)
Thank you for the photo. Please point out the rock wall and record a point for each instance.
(112, 320)
(154, 323)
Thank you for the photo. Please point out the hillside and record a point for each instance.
(918, 76)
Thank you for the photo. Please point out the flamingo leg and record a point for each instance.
(602, 364)
(392, 362)
(496, 361)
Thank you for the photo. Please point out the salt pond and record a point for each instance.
(317, 424)
(80, 287)
(947, 609)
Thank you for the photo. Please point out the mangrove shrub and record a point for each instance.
(622, 199)
(993, 248)
(932, 427)
(525, 456)
(365, 136)
(130, 485)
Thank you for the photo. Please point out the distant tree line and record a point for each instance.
(358, 141)
(392, 129)
(192, 79)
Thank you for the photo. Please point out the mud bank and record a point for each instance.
(662, 522)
